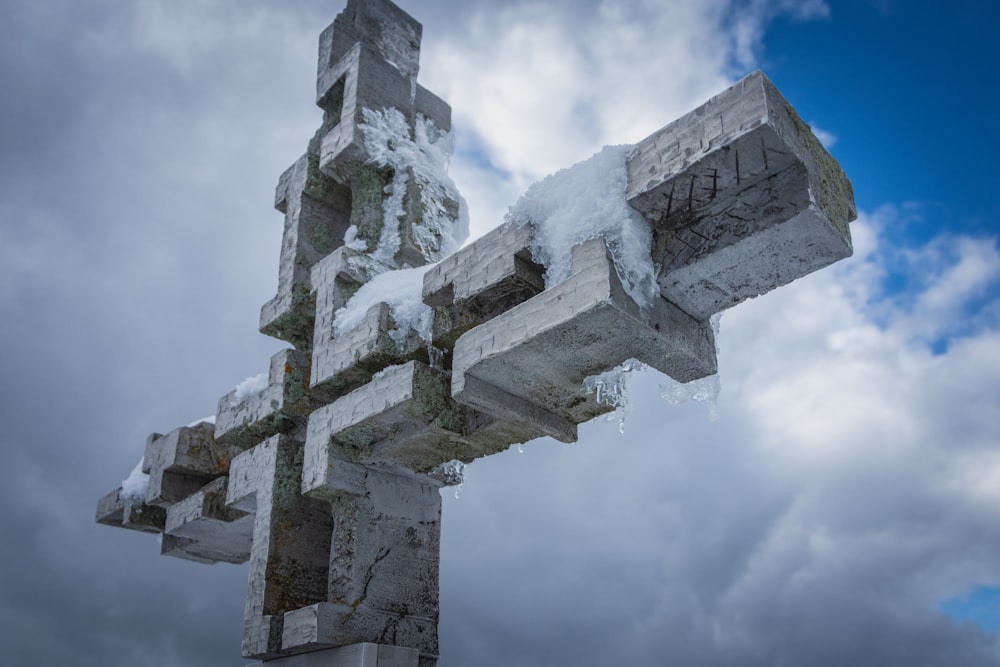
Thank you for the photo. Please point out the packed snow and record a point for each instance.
(136, 484)
(583, 202)
(402, 290)
(251, 387)
(204, 420)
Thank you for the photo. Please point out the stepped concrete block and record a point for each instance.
(742, 198)
(342, 363)
(403, 416)
(530, 362)
(384, 561)
(289, 557)
(202, 528)
(317, 214)
(129, 512)
(355, 655)
(246, 421)
(183, 461)
(480, 281)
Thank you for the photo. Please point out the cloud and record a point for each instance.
(845, 492)
(848, 488)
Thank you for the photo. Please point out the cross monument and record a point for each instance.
(411, 355)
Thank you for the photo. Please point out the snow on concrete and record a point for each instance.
(583, 202)
(400, 289)
(251, 387)
(136, 484)
(426, 155)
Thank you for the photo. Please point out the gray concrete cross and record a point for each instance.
(327, 479)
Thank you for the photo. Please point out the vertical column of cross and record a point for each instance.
(376, 551)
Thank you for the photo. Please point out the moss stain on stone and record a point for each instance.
(367, 209)
(834, 192)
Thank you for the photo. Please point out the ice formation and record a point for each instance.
(452, 473)
(611, 389)
(705, 390)
(583, 202)
(441, 230)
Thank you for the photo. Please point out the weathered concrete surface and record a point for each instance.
(203, 528)
(355, 655)
(245, 421)
(530, 362)
(384, 562)
(132, 513)
(742, 198)
(291, 540)
(480, 281)
(183, 461)
(317, 213)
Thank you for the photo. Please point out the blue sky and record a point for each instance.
(843, 508)
(913, 82)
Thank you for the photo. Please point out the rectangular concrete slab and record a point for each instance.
(530, 362)
(355, 655)
(204, 529)
(244, 421)
(742, 198)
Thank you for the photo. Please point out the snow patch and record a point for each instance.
(251, 387)
(403, 291)
(136, 484)
(583, 202)
(204, 420)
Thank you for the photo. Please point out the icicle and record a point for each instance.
(450, 474)
(611, 389)
(705, 390)
(435, 357)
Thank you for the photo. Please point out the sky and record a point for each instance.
(844, 507)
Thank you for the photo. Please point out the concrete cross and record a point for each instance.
(326, 478)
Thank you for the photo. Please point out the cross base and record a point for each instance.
(354, 655)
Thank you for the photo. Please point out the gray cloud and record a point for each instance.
(847, 489)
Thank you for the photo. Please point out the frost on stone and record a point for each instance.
(251, 387)
(402, 291)
(204, 420)
(583, 202)
(136, 484)
(611, 389)
(352, 241)
(440, 229)
(451, 473)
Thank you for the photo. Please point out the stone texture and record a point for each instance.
(204, 529)
(480, 281)
(132, 513)
(355, 655)
(291, 538)
(530, 362)
(182, 462)
(317, 213)
(245, 421)
(742, 198)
